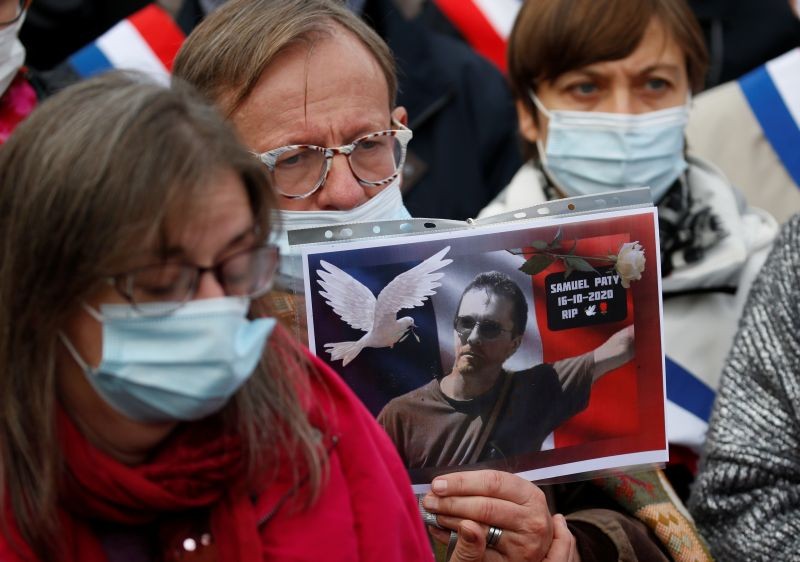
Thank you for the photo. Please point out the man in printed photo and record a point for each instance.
(481, 412)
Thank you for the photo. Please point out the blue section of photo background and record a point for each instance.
(410, 364)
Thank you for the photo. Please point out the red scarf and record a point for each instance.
(192, 470)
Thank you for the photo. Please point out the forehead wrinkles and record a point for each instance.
(332, 35)
(312, 44)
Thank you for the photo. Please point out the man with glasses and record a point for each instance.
(311, 89)
(481, 412)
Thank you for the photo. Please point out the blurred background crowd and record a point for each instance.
(510, 103)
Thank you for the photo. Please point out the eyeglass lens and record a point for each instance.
(246, 274)
(374, 159)
(487, 329)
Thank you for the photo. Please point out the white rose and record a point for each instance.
(630, 263)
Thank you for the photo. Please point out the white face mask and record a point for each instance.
(386, 205)
(591, 152)
(12, 53)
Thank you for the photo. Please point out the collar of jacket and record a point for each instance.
(749, 230)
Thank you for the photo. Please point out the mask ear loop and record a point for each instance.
(71, 348)
(539, 105)
(539, 145)
(542, 153)
(552, 184)
(92, 312)
(74, 353)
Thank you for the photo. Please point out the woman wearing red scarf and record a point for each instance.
(149, 411)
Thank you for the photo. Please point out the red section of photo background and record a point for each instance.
(604, 417)
(629, 400)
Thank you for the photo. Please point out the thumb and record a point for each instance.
(563, 547)
(471, 543)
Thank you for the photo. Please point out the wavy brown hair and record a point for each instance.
(89, 176)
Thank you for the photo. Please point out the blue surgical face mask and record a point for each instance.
(179, 367)
(385, 206)
(590, 152)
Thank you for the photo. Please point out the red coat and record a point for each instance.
(369, 492)
(365, 512)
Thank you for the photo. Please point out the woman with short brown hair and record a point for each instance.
(603, 92)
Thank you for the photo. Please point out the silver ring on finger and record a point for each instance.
(493, 536)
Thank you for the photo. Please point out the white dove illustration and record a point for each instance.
(356, 305)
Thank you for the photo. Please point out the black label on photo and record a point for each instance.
(585, 299)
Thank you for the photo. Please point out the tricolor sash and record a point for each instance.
(485, 24)
(773, 92)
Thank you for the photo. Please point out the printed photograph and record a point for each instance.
(533, 347)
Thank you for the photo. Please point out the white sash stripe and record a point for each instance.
(685, 428)
(500, 13)
(125, 48)
(785, 74)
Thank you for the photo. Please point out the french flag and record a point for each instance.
(146, 42)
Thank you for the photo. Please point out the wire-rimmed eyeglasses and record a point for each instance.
(23, 6)
(248, 274)
(299, 170)
(487, 329)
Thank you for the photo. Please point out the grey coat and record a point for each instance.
(746, 500)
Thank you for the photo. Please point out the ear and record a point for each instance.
(527, 124)
(516, 342)
(400, 115)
